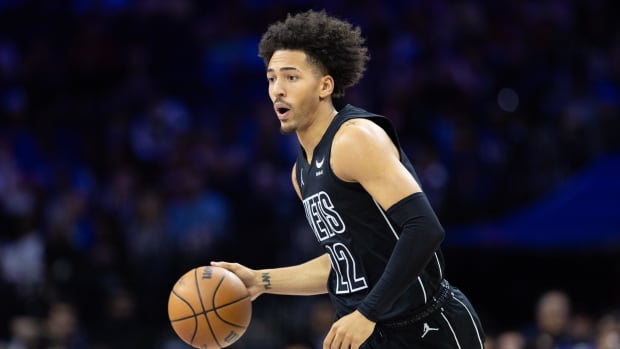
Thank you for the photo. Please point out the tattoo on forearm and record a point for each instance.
(267, 281)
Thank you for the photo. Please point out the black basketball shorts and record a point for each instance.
(454, 326)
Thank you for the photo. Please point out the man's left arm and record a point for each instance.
(362, 152)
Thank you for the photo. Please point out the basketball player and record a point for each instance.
(382, 266)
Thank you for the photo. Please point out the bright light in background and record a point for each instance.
(508, 99)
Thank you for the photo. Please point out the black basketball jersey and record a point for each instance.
(354, 230)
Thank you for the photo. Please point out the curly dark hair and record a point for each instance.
(334, 45)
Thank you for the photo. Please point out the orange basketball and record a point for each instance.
(209, 307)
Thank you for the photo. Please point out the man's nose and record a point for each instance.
(277, 89)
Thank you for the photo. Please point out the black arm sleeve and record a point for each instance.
(421, 234)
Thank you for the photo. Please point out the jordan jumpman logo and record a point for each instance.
(426, 329)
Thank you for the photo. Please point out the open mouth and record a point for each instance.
(281, 109)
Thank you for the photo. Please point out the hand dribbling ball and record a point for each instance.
(209, 307)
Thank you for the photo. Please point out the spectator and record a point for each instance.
(510, 340)
(25, 333)
(552, 317)
(62, 328)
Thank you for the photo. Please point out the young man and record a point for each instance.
(383, 266)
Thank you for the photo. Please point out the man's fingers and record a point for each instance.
(234, 267)
(221, 264)
(327, 343)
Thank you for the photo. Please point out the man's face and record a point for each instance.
(294, 85)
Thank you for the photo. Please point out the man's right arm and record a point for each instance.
(309, 278)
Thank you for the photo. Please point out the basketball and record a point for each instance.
(209, 307)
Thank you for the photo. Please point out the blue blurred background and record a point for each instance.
(137, 141)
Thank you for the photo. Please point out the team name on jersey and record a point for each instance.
(323, 218)
(326, 223)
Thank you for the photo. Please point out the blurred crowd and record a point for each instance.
(555, 324)
(137, 141)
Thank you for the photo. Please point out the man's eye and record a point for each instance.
(271, 79)
(292, 77)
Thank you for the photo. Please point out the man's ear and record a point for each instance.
(326, 86)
